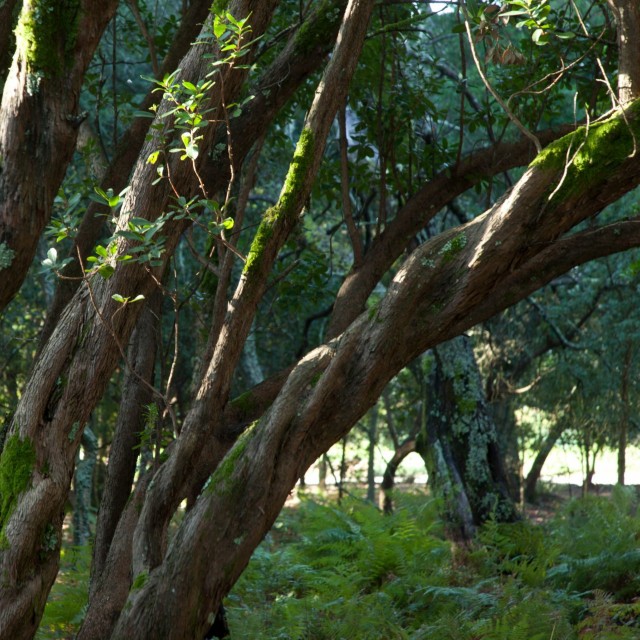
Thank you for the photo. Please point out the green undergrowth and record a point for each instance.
(328, 572)
(67, 601)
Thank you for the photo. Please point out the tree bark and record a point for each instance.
(39, 121)
(541, 457)
(389, 477)
(627, 14)
(460, 446)
(624, 422)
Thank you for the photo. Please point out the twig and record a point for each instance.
(512, 116)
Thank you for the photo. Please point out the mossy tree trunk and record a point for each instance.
(459, 443)
(55, 42)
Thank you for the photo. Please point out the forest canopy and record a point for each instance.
(230, 229)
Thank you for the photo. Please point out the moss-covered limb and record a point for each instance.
(287, 209)
(46, 35)
(16, 466)
(222, 481)
(592, 152)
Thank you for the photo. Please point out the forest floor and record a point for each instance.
(570, 570)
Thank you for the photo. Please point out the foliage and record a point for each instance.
(66, 604)
(332, 572)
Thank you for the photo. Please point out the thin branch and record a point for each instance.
(135, 10)
(354, 235)
(512, 116)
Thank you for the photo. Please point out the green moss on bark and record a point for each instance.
(222, 481)
(316, 32)
(16, 465)
(453, 247)
(244, 402)
(287, 205)
(46, 35)
(592, 153)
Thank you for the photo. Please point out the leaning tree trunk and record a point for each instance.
(459, 443)
(533, 476)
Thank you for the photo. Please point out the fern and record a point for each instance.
(327, 573)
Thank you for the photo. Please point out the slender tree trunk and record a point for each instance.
(125, 447)
(533, 476)
(373, 441)
(322, 472)
(624, 422)
(389, 476)
(627, 14)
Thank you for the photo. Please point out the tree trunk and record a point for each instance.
(459, 443)
(373, 441)
(533, 476)
(388, 478)
(322, 472)
(624, 422)
(627, 14)
(39, 122)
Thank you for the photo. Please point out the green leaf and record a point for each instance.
(153, 158)
(118, 298)
(218, 28)
(106, 271)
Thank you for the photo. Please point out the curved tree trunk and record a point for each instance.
(389, 476)
(533, 476)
